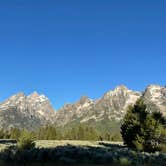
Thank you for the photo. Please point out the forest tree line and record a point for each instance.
(48, 132)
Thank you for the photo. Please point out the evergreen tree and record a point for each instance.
(47, 133)
(143, 130)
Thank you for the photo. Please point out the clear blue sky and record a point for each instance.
(69, 48)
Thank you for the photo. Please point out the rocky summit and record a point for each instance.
(35, 110)
(26, 111)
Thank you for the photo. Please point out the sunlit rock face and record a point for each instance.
(112, 106)
(26, 111)
(155, 95)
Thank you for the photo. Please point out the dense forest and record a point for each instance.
(48, 132)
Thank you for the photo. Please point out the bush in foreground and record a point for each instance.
(83, 155)
(26, 141)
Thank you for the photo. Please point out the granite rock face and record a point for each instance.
(155, 96)
(26, 111)
(112, 106)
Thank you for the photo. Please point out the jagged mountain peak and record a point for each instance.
(36, 97)
(156, 95)
(26, 111)
(19, 94)
(118, 91)
(153, 86)
(34, 94)
(84, 99)
(154, 90)
(121, 87)
(13, 100)
(112, 105)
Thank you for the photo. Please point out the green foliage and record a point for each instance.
(15, 133)
(2, 134)
(143, 130)
(80, 132)
(107, 136)
(26, 141)
(124, 161)
(138, 143)
(75, 131)
(116, 137)
(47, 133)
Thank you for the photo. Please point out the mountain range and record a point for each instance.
(107, 112)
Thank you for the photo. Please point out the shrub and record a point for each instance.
(25, 142)
(124, 161)
(15, 133)
(162, 148)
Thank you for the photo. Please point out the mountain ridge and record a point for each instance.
(35, 110)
